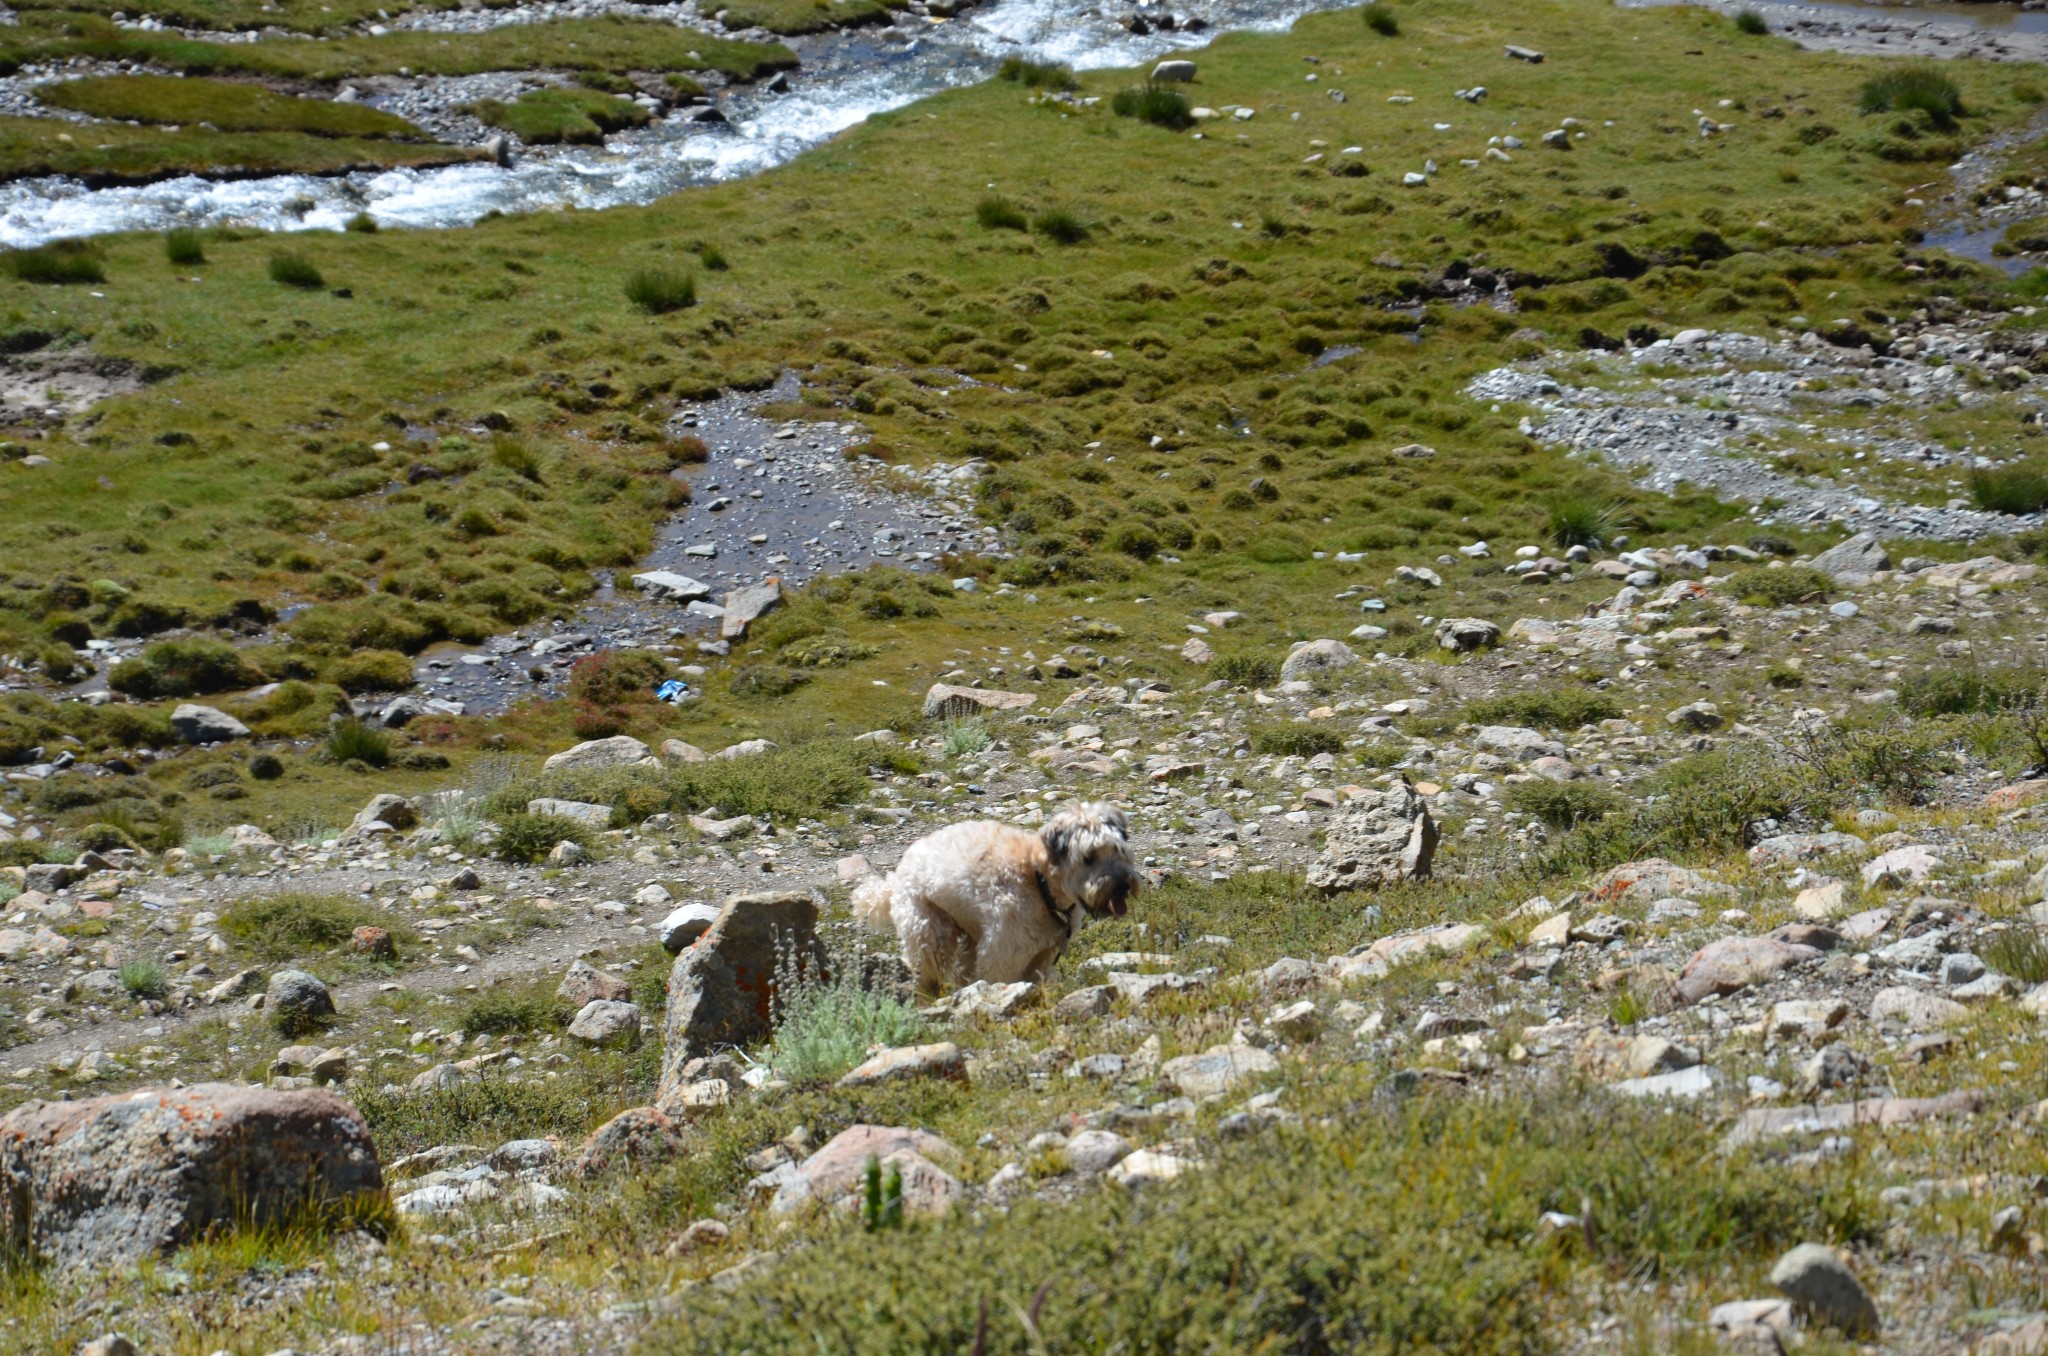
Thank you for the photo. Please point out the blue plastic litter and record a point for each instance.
(672, 690)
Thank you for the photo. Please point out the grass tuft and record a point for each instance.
(1381, 20)
(1156, 104)
(2016, 489)
(1752, 23)
(1913, 89)
(1579, 520)
(57, 263)
(295, 270)
(1061, 226)
(1037, 74)
(351, 741)
(184, 246)
(659, 291)
(1000, 214)
(962, 738)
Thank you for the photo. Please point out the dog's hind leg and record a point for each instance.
(937, 949)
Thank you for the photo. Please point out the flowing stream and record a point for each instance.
(845, 78)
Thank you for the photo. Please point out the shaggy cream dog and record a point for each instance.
(984, 900)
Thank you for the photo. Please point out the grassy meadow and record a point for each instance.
(1141, 354)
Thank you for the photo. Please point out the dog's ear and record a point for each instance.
(1058, 838)
(1114, 817)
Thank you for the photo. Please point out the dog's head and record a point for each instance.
(1089, 847)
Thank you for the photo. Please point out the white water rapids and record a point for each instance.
(845, 79)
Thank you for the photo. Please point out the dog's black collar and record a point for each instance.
(1063, 921)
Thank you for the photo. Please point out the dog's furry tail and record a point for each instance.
(872, 899)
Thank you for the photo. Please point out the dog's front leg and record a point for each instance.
(1041, 966)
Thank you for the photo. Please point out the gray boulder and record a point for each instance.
(685, 925)
(392, 811)
(296, 1001)
(1317, 656)
(722, 989)
(607, 1024)
(946, 699)
(1855, 560)
(109, 1181)
(1174, 72)
(1377, 841)
(596, 755)
(744, 607)
(1820, 1284)
(585, 983)
(197, 724)
(1463, 635)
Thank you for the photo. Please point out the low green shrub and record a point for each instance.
(530, 838)
(1966, 691)
(659, 291)
(288, 926)
(372, 671)
(184, 668)
(1751, 23)
(1330, 1237)
(1381, 20)
(1767, 587)
(1558, 708)
(1563, 805)
(1296, 739)
(515, 1009)
(1245, 668)
(362, 223)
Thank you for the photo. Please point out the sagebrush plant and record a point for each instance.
(825, 1022)
(1780, 586)
(965, 736)
(290, 926)
(144, 979)
(1299, 739)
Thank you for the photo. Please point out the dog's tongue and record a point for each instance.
(1116, 907)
